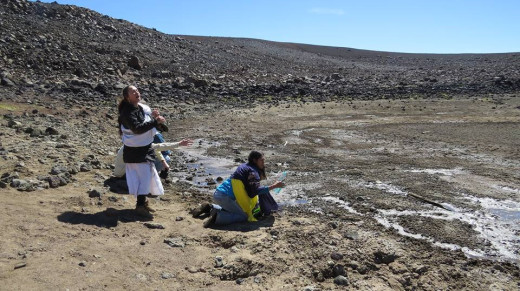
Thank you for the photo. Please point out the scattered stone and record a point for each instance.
(135, 63)
(36, 132)
(364, 269)
(301, 221)
(20, 184)
(14, 124)
(20, 265)
(94, 193)
(175, 242)
(309, 288)
(257, 280)
(54, 181)
(113, 199)
(179, 218)
(421, 269)
(338, 270)
(7, 82)
(193, 270)
(141, 277)
(51, 131)
(398, 268)
(318, 276)
(352, 235)
(153, 225)
(58, 170)
(219, 262)
(341, 280)
(8, 177)
(381, 257)
(336, 256)
(83, 264)
(64, 178)
(85, 168)
(219, 179)
(166, 275)
(334, 224)
(353, 264)
(240, 281)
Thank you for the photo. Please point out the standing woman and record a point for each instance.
(137, 130)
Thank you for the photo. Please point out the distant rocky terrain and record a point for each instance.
(78, 55)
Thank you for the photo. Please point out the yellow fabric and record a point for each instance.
(247, 204)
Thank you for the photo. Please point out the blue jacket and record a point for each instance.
(250, 176)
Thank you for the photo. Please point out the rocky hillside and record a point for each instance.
(78, 55)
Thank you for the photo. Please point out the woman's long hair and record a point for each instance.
(124, 102)
(254, 155)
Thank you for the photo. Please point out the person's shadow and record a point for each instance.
(266, 221)
(107, 218)
(117, 185)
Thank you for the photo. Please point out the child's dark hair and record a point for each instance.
(255, 155)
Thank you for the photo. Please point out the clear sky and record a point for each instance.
(418, 26)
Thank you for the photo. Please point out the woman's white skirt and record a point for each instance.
(142, 179)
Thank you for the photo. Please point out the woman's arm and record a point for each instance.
(266, 189)
(158, 154)
(171, 145)
(130, 119)
(161, 158)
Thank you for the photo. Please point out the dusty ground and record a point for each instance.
(354, 172)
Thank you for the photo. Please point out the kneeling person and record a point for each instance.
(237, 197)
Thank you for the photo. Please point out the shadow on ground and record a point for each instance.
(108, 218)
(247, 226)
(117, 185)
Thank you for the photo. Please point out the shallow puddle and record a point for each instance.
(204, 170)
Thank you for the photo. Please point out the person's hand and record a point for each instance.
(165, 165)
(278, 184)
(160, 119)
(186, 142)
(155, 113)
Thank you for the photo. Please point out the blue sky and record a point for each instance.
(434, 26)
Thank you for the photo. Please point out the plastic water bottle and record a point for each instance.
(281, 178)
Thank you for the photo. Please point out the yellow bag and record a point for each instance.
(247, 204)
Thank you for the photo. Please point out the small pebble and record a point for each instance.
(336, 256)
(341, 280)
(166, 275)
(219, 261)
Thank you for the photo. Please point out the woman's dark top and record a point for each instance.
(133, 118)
